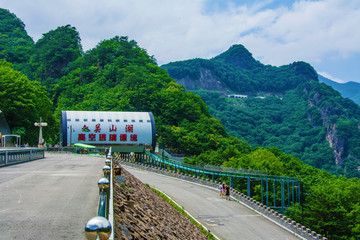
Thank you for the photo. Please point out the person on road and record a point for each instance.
(224, 188)
(227, 192)
(221, 190)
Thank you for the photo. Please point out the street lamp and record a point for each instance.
(302, 199)
(40, 125)
(302, 208)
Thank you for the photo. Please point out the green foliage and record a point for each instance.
(52, 53)
(23, 102)
(118, 75)
(286, 107)
(15, 44)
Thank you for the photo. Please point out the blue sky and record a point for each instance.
(324, 33)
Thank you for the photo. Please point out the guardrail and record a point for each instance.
(274, 216)
(10, 156)
(77, 150)
(101, 225)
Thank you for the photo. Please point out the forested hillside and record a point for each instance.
(349, 90)
(285, 107)
(118, 75)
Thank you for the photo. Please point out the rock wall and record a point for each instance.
(207, 81)
(141, 214)
(336, 144)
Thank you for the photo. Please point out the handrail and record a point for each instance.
(78, 150)
(221, 171)
(14, 156)
(101, 225)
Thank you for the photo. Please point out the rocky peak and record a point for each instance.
(206, 81)
(305, 70)
(238, 56)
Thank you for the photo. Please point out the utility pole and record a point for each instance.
(40, 125)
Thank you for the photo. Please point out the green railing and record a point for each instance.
(279, 192)
(219, 171)
(101, 225)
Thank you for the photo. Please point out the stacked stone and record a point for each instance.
(142, 214)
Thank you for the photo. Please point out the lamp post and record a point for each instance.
(163, 147)
(302, 208)
(302, 200)
(40, 125)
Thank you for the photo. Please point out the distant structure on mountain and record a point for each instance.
(236, 96)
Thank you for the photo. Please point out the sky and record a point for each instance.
(324, 33)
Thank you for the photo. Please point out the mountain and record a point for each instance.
(15, 44)
(284, 107)
(348, 90)
(118, 75)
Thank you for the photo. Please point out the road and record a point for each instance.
(50, 198)
(226, 219)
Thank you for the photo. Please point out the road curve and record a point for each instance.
(226, 219)
(50, 198)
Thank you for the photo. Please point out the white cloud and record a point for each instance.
(324, 74)
(177, 30)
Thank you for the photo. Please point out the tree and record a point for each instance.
(15, 45)
(23, 102)
(52, 53)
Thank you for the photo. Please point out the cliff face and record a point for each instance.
(337, 145)
(207, 81)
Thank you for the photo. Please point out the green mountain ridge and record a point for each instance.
(349, 90)
(118, 75)
(286, 107)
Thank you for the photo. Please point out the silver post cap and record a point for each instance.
(103, 183)
(106, 169)
(98, 226)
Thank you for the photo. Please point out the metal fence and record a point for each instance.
(77, 150)
(8, 157)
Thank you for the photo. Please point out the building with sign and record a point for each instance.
(123, 131)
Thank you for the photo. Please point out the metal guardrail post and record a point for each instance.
(6, 157)
(106, 169)
(103, 209)
(100, 226)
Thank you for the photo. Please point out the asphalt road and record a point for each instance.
(226, 219)
(50, 198)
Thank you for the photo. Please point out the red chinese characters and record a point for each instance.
(97, 128)
(102, 137)
(133, 137)
(129, 128)
(112, 137)
(123, 137)
(92, 137)
(81, 137)
(112, 128)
